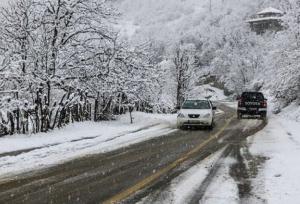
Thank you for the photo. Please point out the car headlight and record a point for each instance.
(206, 115)
(180, 115)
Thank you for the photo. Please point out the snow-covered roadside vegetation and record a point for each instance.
(63, 61)
(86, 130)
(22, 153)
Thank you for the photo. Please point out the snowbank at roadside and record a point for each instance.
(169, 119)
(83, 130)
(279, 142)
(22, 153)
(292, 112)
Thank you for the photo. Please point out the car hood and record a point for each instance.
(195, 111)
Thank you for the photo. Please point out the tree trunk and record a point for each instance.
(12, 123)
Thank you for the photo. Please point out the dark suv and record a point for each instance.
(252, 103)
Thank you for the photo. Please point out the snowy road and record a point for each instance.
(203, 181)
(138, 172)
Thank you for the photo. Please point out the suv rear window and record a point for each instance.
(196, 104)
(253, 96)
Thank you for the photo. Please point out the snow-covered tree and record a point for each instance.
(183, 60)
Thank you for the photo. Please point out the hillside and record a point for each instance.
(147, 101)
(223, 43)
(171, 22)
(149, 55)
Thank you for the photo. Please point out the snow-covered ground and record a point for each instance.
(79, 139)
(127, 28)
(223, 188)
(4, 2)
(207, 91)
(279, 142)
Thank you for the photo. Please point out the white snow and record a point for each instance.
(77, 131)
(263, 19)
(207, 91)
(223, 189)
(292, 112)
(270, 10)
(278, 181)
(231, 104)
(79, 139)
(186, 184)
(127, 28)
(183, 187)
(4, 2)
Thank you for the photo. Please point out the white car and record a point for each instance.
(196, 113)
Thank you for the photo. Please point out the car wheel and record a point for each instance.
(180, 127)
(211, 126)
(263, 116)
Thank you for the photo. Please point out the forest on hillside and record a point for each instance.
(63, 61)
(223, 43)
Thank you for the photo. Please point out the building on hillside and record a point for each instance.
(267, 19)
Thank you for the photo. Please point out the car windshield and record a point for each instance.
(196, 104)
(252, 96)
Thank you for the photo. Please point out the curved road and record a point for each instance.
(128, 174)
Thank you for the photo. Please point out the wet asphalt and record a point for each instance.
(97, 178)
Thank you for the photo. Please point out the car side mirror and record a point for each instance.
(177, 107)
(214, 108)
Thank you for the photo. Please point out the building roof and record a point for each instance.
(270, 10)
(263, 19)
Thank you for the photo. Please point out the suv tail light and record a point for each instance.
(240, 102)
(264, 104)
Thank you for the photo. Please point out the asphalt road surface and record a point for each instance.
(128, 174)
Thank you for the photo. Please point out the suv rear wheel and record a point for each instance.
(239, 115)
(263, 116)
